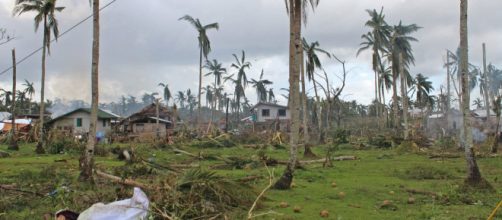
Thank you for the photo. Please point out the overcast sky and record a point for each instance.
(143, 43)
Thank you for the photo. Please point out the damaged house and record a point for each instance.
(147, 123)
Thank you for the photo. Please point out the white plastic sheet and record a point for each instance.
(128, 209)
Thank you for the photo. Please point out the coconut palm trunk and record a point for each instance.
(40, 149)
(295, 50)
(496, 138)
(87, 161)
(473, 174)
(404, 96)
(395, 107)
(306, 136)
(198, 120)
(13, 139)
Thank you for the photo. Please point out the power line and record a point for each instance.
(62, 34)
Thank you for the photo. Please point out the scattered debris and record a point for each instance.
(324, 214)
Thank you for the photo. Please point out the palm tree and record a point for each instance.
(423, 88)
(181, 98)
(216, 69)
(208, 90)
(401, 56)
(497, 105)
(149, 98)
(297, 11)
(240, 83)
(377, 40)
(311, 64)
(261, 87)
(271, 96)
(87, 162)
(30, 91)
(166, 93)
(45, 12)
(238, 92)
(478, 103)
(204, 46)
(473, 174)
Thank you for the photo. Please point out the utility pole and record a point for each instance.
(13, 140)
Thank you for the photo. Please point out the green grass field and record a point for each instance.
(376, 176)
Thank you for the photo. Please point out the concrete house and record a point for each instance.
(77, 122)
(264, 112)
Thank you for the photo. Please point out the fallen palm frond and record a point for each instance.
(117, 179)
(271, 178)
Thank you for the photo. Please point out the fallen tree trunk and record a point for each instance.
(444, 155)
(117, 179)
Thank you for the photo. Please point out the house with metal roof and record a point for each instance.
(77, 122)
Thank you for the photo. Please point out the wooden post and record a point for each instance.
(226, 116)
(157, 112)
(13, 141)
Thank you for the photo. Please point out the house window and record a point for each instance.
(104, 123)
(265, 112)
(79, 122)
(282, 112)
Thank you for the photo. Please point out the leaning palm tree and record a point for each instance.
(297, 10)
(261, 87)
(204, 47)
(311, 64)
(271, 96)
(473, 174)
(166, 93)
(45, 12)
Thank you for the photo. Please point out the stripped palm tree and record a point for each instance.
(45, 12)
(204, 47)
(30, 91)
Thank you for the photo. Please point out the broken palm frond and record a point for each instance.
(117, 179)
(13, 188)
(306, 162)
(250, 178)
(158, 166)
(277, 138)
(200, 193)
(492, 215)
(444, 155)
(271, 178)
(187, 153)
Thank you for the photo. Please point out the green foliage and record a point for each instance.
(427, 172)
(341, 136)
(380, 141)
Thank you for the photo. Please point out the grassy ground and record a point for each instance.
(377, 176)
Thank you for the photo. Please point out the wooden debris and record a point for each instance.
(13, 188)
(117, 179)
(306, 162)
